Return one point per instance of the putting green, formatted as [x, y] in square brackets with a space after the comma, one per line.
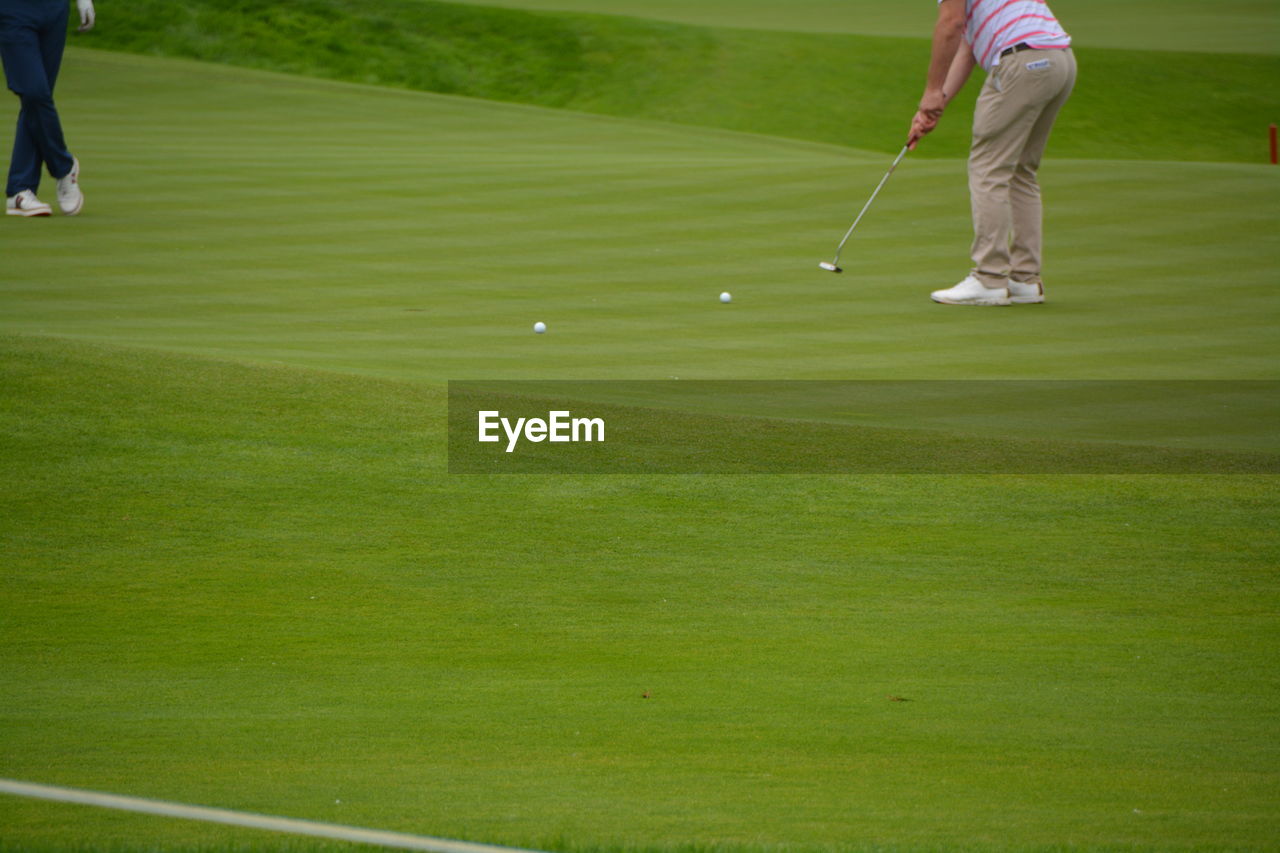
[423, 236]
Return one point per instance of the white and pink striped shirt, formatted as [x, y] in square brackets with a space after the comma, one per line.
[991, 26]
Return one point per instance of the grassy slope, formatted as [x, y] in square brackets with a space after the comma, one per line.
[843, 89]
[228, 584]
[1228, 26]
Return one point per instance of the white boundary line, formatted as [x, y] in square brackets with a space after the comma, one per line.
[251, 821]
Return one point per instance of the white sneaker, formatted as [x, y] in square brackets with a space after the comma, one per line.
[1026, 292]
[25, 203]
[70, 199]
[971, 292]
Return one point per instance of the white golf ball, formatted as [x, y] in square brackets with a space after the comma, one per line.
[539, 327]
[725, 297]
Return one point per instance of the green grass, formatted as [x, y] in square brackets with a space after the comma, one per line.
[236, 573]
[1228, 26]
[232, 586]
[842, 89]
[269, 232]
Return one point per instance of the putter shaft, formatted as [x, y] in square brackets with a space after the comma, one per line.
[835, 263]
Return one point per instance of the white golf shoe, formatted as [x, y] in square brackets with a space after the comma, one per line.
[971, 292]
[70, 199]
[1026, 292]
[25, 203]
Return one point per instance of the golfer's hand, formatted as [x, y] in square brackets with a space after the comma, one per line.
[85, 8]
[920, 125]
[927, 116]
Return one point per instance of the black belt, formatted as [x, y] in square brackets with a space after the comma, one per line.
[1020, 46]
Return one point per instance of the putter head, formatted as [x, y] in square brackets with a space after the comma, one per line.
[830, 267]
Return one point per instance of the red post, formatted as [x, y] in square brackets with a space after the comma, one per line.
[1273, 145]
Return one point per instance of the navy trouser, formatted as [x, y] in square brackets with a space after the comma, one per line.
[33, 34]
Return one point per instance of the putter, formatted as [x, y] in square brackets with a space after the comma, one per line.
[834, 266]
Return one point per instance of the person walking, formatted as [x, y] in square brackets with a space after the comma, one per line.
[1030, 74]
[33, 34]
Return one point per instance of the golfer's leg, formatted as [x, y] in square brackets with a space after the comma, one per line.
[992, 158]
[1026, 251]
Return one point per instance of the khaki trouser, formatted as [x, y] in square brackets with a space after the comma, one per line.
[1011, 125]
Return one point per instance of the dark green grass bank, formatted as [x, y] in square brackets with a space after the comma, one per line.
[253, 587]
[844, 89]
[1228, 26]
